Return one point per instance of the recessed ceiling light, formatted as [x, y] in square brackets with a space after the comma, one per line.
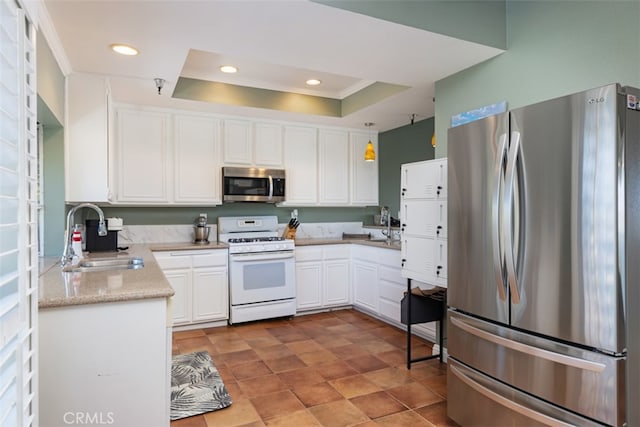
[313, 82]
[124, 49]
[228, 69]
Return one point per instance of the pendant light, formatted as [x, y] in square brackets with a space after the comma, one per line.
[369, 152]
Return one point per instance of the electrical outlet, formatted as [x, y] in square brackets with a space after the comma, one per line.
[294, 213]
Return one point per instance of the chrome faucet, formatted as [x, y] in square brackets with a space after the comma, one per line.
[67, 254]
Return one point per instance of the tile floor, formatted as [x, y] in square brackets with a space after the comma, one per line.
[335, 369]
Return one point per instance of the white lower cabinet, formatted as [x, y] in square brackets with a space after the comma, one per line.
[200, 281]
[378, 286]
[110, 361]
[322, 277]
[365, 277]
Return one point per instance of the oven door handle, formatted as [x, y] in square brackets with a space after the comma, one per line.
[261, 256]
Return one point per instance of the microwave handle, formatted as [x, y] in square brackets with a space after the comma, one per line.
[270, 187]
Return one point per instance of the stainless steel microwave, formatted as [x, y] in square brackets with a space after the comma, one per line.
[253, 185]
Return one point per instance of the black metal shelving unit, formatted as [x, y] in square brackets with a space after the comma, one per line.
[432, 309]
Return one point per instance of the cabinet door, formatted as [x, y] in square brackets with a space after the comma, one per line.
[418, 258]
[392, 287]
[424, 180]
[210, 294]
[237, 142]
[308, 285]
[424, 218]
[365, 285]
[301, 164]
[268, 145]
[333, 164]
[180, 280]
[364, 175]
[141, 154]
[336, 282]
[86, 153]
[197, 160]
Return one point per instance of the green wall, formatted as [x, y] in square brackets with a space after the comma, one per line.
[186, 215]
[51, 100]
[406, 144]
[554, 49]
[480, 21]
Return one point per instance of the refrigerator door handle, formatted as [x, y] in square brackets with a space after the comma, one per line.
[507, 403]
[498, 175]
[541, 353]
[512, 161]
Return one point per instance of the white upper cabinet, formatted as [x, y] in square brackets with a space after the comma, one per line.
[268, 145]
[142, 156]
[86, 139]
[301, 165]
[333, 167]
[364, 175]
[237, 142]
[246, 143]
[197, 168]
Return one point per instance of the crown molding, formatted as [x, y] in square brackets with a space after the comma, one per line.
[45, 25]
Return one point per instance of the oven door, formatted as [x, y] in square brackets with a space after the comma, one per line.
[260, 277]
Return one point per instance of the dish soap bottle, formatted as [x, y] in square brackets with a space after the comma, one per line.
[76, 245]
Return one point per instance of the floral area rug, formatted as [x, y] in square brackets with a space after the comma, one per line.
[196, 386]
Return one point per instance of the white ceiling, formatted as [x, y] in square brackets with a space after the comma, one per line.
[277, 44]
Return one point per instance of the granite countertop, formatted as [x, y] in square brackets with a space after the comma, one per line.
[59, 289]
[395, 244]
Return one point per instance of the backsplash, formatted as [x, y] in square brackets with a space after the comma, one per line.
[178, 233]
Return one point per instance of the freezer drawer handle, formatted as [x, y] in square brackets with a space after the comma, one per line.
[516, 407]
[530, 350]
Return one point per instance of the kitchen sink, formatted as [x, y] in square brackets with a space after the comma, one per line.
[105, 264]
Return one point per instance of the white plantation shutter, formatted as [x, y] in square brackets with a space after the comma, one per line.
[18, 217]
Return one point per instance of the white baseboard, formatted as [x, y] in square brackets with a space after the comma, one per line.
[436, 350]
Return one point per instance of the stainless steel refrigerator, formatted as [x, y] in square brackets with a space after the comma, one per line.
[544, 264]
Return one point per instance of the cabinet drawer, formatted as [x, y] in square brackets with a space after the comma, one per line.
[172, 260]
[336, 252]
[308, 254]
[392, 275]
[210, 258]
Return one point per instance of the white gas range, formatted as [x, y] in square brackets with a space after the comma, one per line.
[261, 268]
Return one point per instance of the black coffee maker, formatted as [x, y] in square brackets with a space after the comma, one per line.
[95, 243]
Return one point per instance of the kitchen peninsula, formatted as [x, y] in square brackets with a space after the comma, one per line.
[105, 344]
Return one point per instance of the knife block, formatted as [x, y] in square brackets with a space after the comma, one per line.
[289, 233]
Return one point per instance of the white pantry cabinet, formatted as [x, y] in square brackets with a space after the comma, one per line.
[142, 156]
[196, 160]
[333, 167]
[322, 276]
[364, 175]
[301, 165]
[200, 281]
[423, 212]
[86, 138]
